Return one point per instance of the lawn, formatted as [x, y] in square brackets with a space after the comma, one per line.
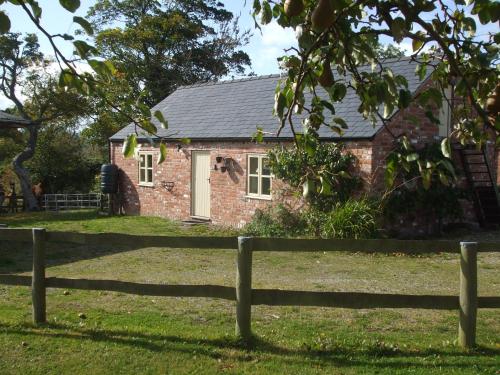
[124, 334]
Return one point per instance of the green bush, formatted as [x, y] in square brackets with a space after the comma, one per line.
[351, 219]
[278, 221]
[333, 163]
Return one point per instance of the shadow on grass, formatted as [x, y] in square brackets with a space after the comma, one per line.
[17, 257]
[368, 355]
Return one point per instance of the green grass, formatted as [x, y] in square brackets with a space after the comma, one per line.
[90, 221]
[126, 334]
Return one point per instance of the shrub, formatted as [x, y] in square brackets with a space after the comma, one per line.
[333, 164]
[351, 219]
[435, 198]
[278, 221]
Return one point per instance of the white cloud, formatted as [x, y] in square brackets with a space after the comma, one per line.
[267, 46]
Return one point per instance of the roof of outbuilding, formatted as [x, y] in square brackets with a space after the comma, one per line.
[7, 118]
[234, 109]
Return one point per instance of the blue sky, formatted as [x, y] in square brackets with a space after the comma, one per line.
[263, 48]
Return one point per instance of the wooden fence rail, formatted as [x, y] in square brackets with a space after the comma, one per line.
[467, 302]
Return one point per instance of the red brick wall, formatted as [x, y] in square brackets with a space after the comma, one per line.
[229, 202]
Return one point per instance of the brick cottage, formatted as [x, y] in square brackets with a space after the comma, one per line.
[222, 175]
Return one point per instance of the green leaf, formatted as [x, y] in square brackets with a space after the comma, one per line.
[279, 104]
[266, 14]
[4, 23]
[398, 28]
[443, 178]
[148, 126]
[326, 186]
[258, 135]
[83, 49]
[163, 153]
[84, 24]
[70, 5]
[161, 119]
[404, 98]
[129, 145]
[100, 67]
[416, 44]
[412, 157]
[426, 178]
[341, 122]
[406, 143]
[37, 11]
[337, 92]
[308, 188]
[446, 148]
[390, 172]
[66, 78]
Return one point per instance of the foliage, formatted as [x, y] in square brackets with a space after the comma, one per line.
[160, 45]
[426, 189]
[327, 171]
[63, 163]
[354, 218]
[426, 164]
[350, 219]
[276, 221]
[345, 35]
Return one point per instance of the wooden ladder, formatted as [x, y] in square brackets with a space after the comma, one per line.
[482, 185]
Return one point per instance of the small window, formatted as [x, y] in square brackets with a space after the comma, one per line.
[146, 169]
[259, 176]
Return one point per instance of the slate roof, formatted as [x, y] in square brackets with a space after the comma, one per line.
[229, 110]
[6, 118]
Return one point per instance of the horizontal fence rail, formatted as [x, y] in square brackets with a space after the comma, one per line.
[259, 244]
[467, 302]
[56, 202]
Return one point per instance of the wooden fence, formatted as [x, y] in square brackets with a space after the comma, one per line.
[467, 302]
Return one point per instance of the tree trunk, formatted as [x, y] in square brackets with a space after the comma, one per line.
[22, 173]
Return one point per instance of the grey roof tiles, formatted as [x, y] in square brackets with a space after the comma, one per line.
[234, 109]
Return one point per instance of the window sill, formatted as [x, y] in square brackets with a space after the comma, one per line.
[259, 197]
[145, 184]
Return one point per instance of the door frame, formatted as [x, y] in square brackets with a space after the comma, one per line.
[193, 189]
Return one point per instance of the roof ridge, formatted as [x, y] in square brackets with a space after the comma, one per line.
[275, 75]
[228, 81]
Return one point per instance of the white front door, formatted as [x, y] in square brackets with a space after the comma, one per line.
[200, 184]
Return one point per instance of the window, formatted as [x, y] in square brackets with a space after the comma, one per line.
[146, 169]
[259, 176]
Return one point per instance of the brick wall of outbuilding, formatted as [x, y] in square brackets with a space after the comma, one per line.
[230, 204]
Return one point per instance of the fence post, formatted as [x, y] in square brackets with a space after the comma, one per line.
[244, 288]
[38, 278]
[468, 294]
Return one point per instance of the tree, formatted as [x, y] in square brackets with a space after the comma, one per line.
[63, 161]
[345, 35]
[160, 45]
[24, 67]
[218, 35]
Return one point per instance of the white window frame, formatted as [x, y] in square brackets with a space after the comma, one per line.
[259, 176]
[145, 168]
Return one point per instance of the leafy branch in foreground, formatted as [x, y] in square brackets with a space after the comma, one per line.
[103, 72]
[338, 43]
